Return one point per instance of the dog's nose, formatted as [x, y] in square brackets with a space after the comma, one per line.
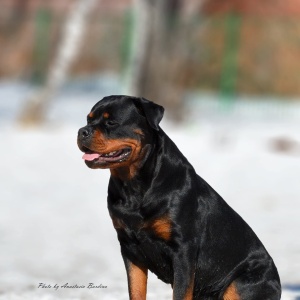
[84, 132]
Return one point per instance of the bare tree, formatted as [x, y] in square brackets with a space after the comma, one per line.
[36, 106]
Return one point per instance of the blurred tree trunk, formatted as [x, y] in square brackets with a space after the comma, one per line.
[160, 51]
[142, 39]
[35, 108]
[11, 22]
[152, 42]
[150, 73]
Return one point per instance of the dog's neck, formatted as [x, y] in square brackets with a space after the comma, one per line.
[124, 173]
[134, 170]
[143, 171]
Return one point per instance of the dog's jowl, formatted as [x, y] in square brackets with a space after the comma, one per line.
[168, 219]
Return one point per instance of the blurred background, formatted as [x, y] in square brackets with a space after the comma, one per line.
[227, 73]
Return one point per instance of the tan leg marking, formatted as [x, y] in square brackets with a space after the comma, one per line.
[137, 282]
[190, 290]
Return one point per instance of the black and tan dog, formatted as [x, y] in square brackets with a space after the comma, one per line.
[168, 219]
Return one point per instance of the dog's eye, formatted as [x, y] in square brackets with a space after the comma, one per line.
[111, 123]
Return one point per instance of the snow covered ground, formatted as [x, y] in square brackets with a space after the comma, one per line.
[54, 225]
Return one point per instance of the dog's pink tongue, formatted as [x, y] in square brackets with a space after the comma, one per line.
[90, 157]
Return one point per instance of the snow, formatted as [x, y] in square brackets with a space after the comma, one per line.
[54, 223]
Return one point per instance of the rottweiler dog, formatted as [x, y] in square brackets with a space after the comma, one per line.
[168, 219]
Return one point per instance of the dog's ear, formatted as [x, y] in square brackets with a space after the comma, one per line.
[152, 111]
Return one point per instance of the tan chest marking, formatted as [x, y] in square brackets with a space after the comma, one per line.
[231, 293]
[161, 227]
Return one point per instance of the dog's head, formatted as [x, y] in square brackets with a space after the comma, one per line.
[117, 130]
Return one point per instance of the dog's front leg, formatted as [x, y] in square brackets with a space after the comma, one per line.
[184, 275]
[137, 280]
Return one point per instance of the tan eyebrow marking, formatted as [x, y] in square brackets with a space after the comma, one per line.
[91, 115]
[138, 131]
[106, 115]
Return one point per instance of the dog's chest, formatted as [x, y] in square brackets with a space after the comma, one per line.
[148, 248]
[145, 240]
[135, 227]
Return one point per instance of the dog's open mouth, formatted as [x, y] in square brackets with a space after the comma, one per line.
[113, 156]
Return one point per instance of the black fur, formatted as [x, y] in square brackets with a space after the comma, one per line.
[209, 245]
